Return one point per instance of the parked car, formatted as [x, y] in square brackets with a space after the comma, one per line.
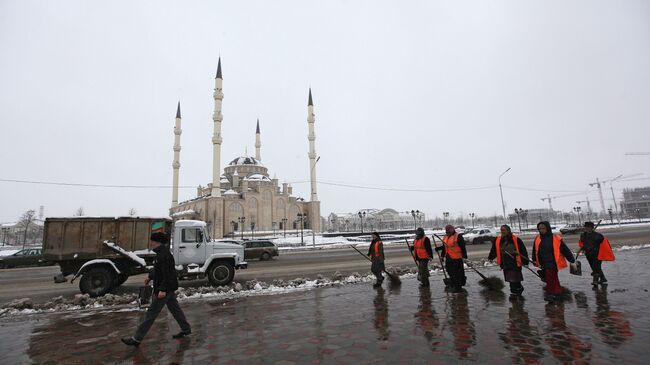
[480, 235]
[26, 257]
[263, 250]
[572, 229]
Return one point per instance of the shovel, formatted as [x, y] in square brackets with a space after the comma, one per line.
[394, 279]
[446, 280]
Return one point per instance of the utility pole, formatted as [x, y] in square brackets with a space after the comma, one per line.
[503, 204]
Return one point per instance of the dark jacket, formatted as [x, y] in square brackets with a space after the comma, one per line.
[164, 271]
[546, 253]
[461, 244]
[507, 262]
[427, 246]
[371, 250]
[591, 243]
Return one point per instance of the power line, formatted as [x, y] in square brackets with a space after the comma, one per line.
[93, 185]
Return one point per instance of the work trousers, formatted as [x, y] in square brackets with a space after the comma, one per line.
[377, 267]
[456, 272]
[423, 271]
[154, 309]
[596, 268]
[552, 282]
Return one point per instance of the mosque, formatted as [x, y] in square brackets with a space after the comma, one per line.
[244, 197]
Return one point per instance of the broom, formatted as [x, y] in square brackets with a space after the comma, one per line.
[527, 261]
[394, 279]
[446, 280]
[492, 282]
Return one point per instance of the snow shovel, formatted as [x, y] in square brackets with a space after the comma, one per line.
[446, 280]
[394, 279]
[527, 261]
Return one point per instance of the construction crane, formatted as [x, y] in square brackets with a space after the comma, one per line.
[599, 183]
[637, 154]
[588, 204]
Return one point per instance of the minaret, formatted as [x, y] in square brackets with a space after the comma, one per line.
[312, 147]
[258, 143]
[217, 117]
[177, 154]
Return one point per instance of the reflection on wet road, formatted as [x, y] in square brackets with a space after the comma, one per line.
[356, 324]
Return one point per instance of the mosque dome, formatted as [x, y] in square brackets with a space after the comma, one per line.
[245, 160]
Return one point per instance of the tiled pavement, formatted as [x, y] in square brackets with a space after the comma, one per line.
[356, 324]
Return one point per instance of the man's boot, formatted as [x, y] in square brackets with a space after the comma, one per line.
[595, 279]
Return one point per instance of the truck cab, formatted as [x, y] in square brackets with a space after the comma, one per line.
[197, 255]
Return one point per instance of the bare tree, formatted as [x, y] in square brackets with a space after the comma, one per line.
[80, 212]
[133, 212]
[26, 220]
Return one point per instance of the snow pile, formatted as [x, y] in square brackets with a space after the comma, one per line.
[59, 304]
[126, 253]
[183, 213]
[293, 242]
[635, 247]
[8, 252]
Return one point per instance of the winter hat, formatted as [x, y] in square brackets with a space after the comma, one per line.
[590, 224]
[160, 237]
[507, 227]
[419, 232]
[377, 235]
[449, 227]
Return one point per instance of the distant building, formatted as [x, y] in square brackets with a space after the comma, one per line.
[373, 219]
[637, 198]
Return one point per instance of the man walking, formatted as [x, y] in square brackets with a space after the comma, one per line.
[165, 283]
[597, 249]
[453, 250]
[422, 253]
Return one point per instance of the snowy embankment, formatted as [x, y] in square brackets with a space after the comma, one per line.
[320, 243]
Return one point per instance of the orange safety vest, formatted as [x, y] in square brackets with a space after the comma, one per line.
[560, 261]
[452, 248]
[419, 252]
[498, 249]
[605, 252]
[377, 250]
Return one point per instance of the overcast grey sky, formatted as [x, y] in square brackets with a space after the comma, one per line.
[407, 94]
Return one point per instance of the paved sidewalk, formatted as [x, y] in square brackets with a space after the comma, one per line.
[356, 324]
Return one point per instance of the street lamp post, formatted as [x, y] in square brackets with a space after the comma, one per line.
[242, 220]
[519, 212]
[446, 215]
[471, 215]
[252, 230]
[503, 204]
[578, 210]
[301, 217]
[638, 214]
[361, 215]
[284, 226]
[416, 215]
[273, 227]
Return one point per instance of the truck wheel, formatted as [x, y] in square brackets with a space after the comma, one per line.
[96, 282]
[265, 256]
[221, 273]
[120, 279]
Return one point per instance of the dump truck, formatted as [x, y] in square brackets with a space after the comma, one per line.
[105, 251]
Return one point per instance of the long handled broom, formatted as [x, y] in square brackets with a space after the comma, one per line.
[492, 282]
[527, 261]
[394, 279]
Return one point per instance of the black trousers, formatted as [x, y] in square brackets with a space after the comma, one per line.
[154, 309]
[423, 271]
[596, 268]
[377, 267]
[456, 272]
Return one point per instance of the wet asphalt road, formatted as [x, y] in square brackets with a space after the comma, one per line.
[37, 282]
[356, 324]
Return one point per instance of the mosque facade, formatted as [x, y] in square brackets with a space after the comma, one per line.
[244, 197]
